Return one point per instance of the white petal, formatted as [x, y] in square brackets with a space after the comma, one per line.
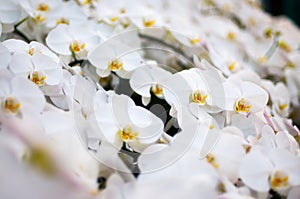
[21, 64]
[4, 56]
[15, 45]
[31, 97]
[59, 40]
[255, 170]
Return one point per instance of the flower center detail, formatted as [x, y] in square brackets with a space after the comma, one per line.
[199, 98]
[40, 18]
[127, 135]
[242, 106]
[231, 67]
[76, 47]
[279, 180]
[210, 158]
[194, 40]
[149, 22]
[31, 51]
[283, 106]
[115, 65]
[43, 7]
[62, 20]
[157, 90]
[11, 104]
[38, 78]
[231, 36]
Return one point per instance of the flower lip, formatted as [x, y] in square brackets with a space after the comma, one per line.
[242, 106]
[11, 104]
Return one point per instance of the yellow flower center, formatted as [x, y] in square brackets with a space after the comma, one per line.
[157, 90]
[242, 106]
[62, 20]
[115, 65]
[76, 47]
[11, 105]
[279, 180]
[31, 51]
[199, 98]
[231, 67]
[114, 19]
[262, 59]
[283, 106]
[122, 10]
[194, 40]
[38, 78]
[40, 18]
[231, 36]
[149, 22]
[210, 158]
[284, 46]
[127, 135]
[43, 7]
[268, 33]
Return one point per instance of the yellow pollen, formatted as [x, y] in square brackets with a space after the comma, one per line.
[283, 106]
[38, 78]
[127, 135]
[11, 104]
[122, 10]
[279, 180]
[211, 127]
[157, 90]
[76, 47]
[231, 35]
[62, 21]
[211, 160]
[114, 19]
[86, 2]
[43, 7]
[231, 67]
[94, 192]
[40, 19]
[31, 51]
[284, 46]
[198, 98]
[242, 106]
[268, 33]
[115, 65]
[262, 59]
[194, 41]
[149, 23]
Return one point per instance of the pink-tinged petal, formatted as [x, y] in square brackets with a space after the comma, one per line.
[21, 63]
[255, 170]
[31, 97]
[59, 40]
[4, 56]
[16, 45]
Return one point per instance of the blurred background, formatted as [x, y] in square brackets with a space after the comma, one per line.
[290, 8]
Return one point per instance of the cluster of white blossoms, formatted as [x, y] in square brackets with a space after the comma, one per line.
[117, 99]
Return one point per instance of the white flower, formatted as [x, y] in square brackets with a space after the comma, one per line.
[115, 54]
[20, 96]
[73, 39]
[244, 98]
[149, 77]
[121, 121]
[10, 11]
[263, 169]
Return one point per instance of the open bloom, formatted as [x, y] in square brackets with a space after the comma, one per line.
[76, 40]
[149, 78]
[245, 98]
[122, 122]
[263, 169]
[18, 96]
